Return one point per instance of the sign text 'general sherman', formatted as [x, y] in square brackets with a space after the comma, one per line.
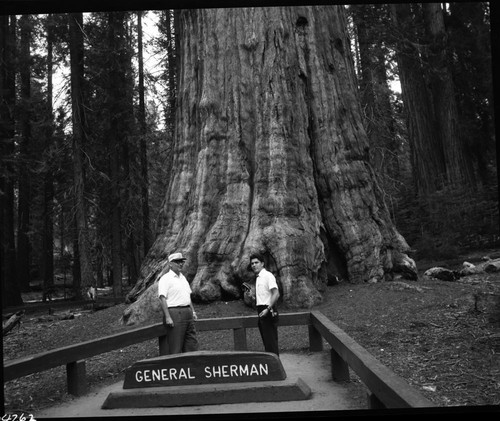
[204, 367]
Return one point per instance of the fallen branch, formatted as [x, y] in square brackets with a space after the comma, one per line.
[12, 322]
[68, 315]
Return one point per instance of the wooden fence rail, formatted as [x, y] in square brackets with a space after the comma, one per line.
[386, 388]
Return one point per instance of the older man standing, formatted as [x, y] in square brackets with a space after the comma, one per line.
[266, 294]
[174, 293]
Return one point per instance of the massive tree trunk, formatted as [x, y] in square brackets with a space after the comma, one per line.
[270, 155]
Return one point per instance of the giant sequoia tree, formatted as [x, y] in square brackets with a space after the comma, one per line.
[270, 155]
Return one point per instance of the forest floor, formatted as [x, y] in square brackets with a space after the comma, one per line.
[443, 338]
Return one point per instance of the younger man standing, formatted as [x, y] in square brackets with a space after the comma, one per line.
[267, 294]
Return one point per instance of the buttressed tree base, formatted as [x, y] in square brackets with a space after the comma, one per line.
[271, 155]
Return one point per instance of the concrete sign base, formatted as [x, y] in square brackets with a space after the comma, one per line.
[272, 391]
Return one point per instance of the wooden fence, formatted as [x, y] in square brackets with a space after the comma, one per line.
[386, 389]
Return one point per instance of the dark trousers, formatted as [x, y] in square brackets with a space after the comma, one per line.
[182, 336]
[268, 328]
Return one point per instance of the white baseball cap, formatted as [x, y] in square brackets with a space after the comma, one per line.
[176, 256]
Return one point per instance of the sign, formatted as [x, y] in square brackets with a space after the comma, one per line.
[204, 367]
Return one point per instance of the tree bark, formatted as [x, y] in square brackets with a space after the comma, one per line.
[48, 182]
[370, 22]
[427, 156]
[459, 172]
[171, 17]
[470, 37]
[270, 155]
[78, 118]
[76, 270]
[146, 220]
[11, 292]
[24, 185]
[115, 34]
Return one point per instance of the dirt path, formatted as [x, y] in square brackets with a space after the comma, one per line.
[312, 368]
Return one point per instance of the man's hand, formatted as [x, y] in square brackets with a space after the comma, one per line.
[264, 312]
[168, 321]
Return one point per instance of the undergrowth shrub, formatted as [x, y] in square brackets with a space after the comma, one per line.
[448, 222]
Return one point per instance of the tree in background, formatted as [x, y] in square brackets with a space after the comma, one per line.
[23, 260]
[143, 130]
[11, 291]
[458, 166]
[82, 243]
[469, 43]
[427, 156]
[371, 24]
[114, 137]
[447, 110]
[47, 247]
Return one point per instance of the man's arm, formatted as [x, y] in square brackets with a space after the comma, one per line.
[272, 301]
[195, 317]
[164, 307]
[275, 294]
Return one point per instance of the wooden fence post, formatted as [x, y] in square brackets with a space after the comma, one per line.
[163, 345]
[76, 378]
[340, 369]
[374, 402]
[240, 339]
[315, 339]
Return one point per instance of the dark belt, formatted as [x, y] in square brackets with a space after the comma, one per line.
[180, 307]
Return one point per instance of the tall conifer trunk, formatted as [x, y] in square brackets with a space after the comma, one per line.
[427, 156]
[48, 182]
[374, 89]
[459, 171]
[11, 291]
[115, 137]
[24, 186]
[270, 155]
[78, 114]
[146, 224]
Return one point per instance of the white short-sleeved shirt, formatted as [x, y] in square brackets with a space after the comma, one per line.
[263, 285]
[175, 288]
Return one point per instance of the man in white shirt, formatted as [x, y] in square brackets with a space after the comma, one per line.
[266, 294]
[174, 293]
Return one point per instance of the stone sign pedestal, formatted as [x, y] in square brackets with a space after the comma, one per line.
[206, 378]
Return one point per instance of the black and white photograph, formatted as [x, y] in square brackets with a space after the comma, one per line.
[269, 211]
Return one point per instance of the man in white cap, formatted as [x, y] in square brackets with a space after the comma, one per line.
[174, 293]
